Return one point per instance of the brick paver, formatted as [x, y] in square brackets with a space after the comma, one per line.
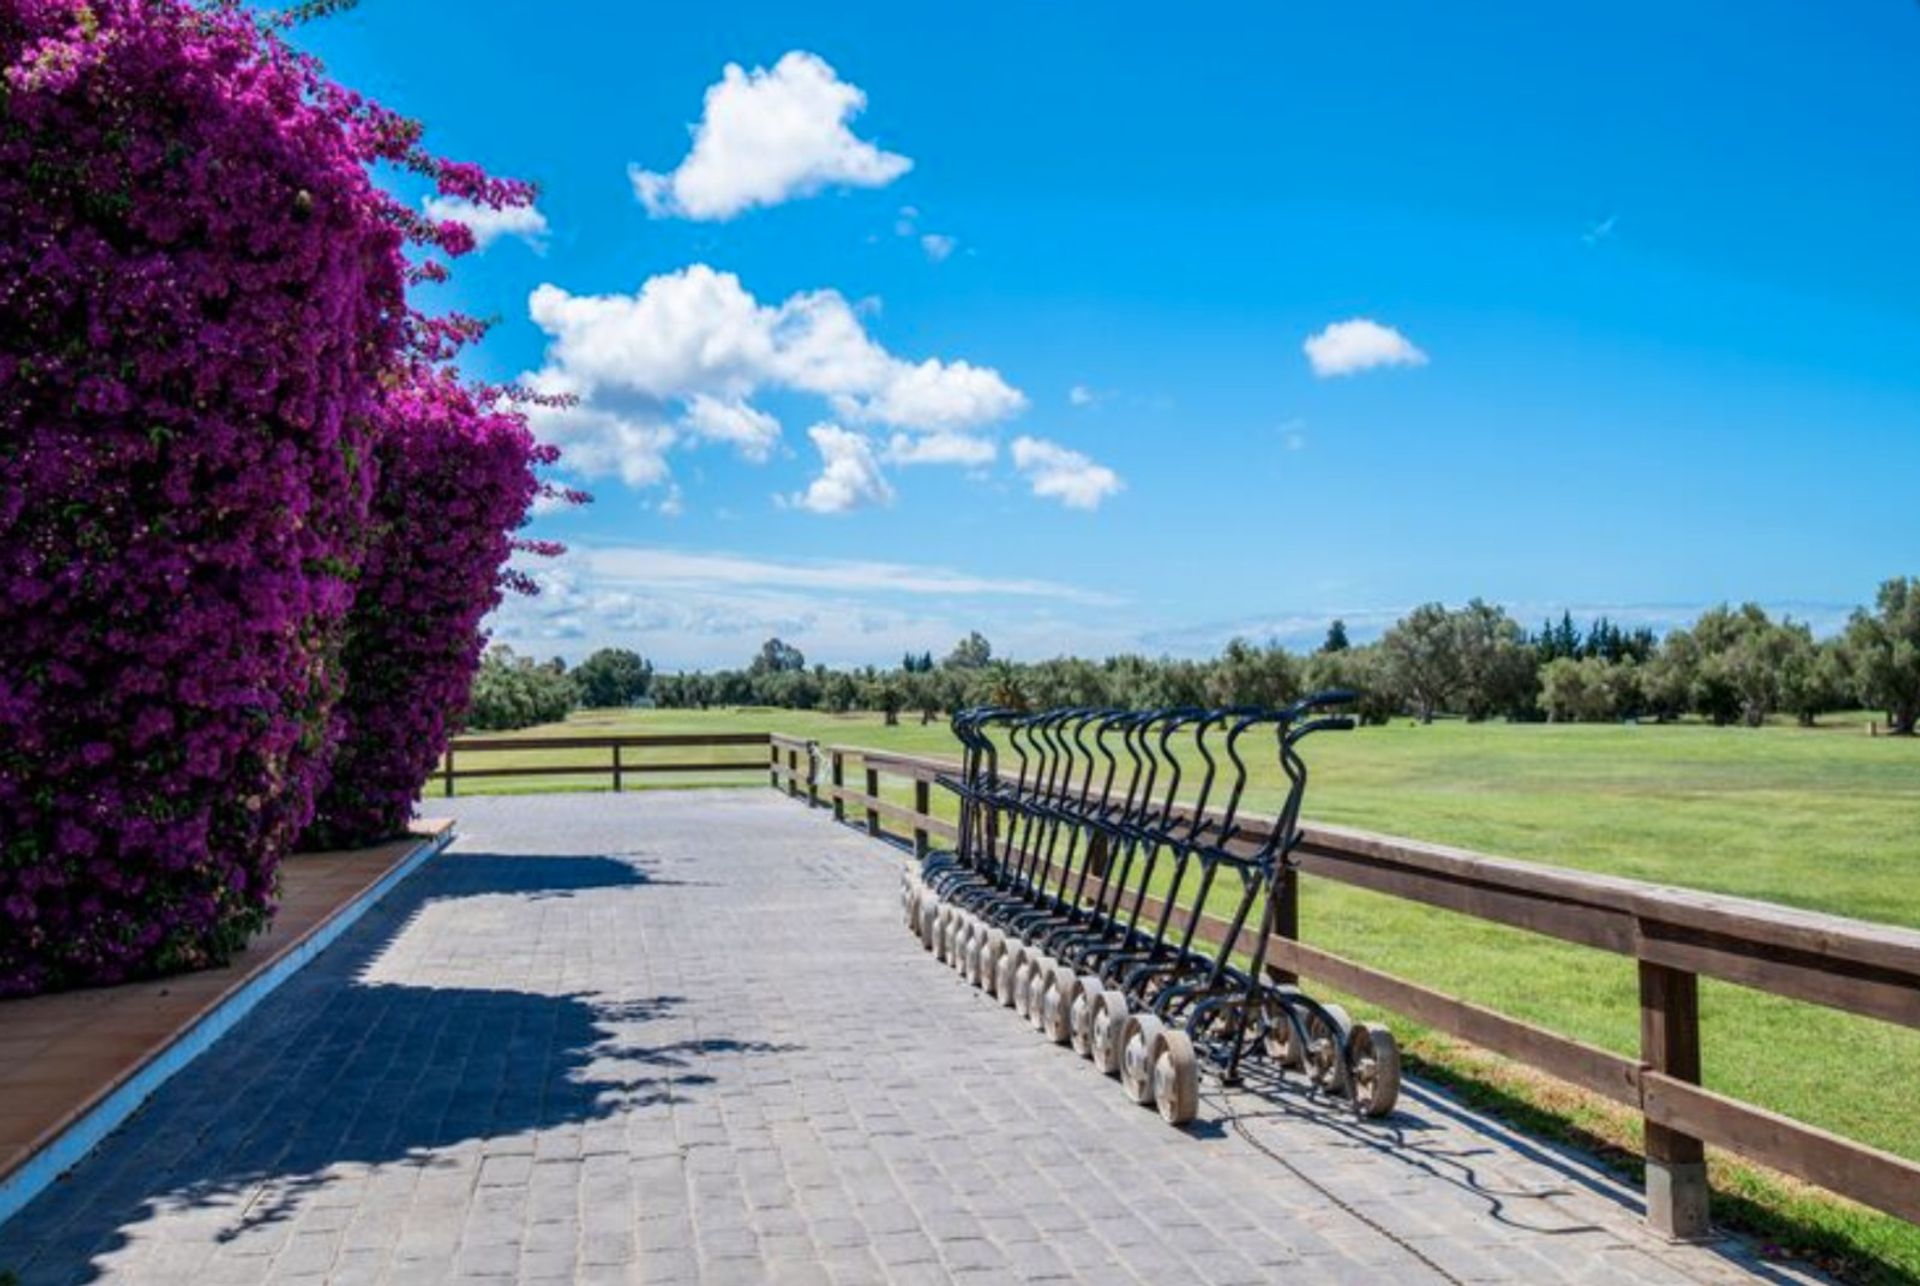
[684, 1037]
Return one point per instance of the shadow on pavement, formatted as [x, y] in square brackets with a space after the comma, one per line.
[338, 1071]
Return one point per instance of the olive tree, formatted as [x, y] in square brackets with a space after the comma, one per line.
[612, 676]
[1422, 657]
[1883, 651]
[1246, 675]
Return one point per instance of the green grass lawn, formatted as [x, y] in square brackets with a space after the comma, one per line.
[1825, 818]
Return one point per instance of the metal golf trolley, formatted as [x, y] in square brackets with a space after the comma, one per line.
[1078, 887]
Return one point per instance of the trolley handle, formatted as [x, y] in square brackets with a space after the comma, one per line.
[1331, 723]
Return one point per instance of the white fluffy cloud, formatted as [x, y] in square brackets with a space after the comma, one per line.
[1359, 344]
[1058, 473]
[766, 137]
[680, 359]
[684, 332]
[933, 396]
[600, 443]
[941, 448]
[850, 476]
[1081, 395]
[489, 225]
[752, 431]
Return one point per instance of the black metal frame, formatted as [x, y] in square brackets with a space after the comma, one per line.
[1073, 825]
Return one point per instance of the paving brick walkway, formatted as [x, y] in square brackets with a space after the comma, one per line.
[683, 1037]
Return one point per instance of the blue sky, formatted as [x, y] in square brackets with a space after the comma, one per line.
[1636, 292]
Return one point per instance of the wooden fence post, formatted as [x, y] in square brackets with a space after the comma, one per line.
[839, 777]
[1286, 920]
[873, 791]
[616, 768]
[449, 776]
[923, 808]
[813, 776]
[793, 772]
[1098, 857]
[1670, 1044]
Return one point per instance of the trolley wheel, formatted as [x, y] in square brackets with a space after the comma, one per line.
[1031, 986]
[929, 921]
[1326, 1045]
[1280, 1041]
[1109, 1020]
[1176, 1078]
[1007, 979]
[1086, 999]
[1139, 1039]
[990, 955]
[1056, 1004]
[1374, 1056]
[1023, 981]
[1040, 982]
[957, 939]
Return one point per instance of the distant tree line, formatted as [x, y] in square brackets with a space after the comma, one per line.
[1732, 665]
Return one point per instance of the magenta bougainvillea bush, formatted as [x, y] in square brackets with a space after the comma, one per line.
[203, 306]
[456, 476]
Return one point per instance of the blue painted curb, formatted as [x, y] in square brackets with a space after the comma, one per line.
[104, 1117]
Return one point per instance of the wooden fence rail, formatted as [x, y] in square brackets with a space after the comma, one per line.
[1675, 936]
[619, 766]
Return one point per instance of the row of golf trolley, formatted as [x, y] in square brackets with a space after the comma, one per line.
[1081, 878]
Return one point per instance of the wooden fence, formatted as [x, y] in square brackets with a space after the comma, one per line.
[1675, 936]
[620, 765]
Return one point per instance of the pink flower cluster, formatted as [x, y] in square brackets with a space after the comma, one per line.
[455, 478]
[207, 361]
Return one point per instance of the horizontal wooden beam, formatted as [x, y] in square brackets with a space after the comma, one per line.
[915, 767]
[1781, 969]
[1765, 930]
[462, 745]
[600, 770]
[1604, 1072]
[887, 808]
[1518, 905]
[1866, 1174]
